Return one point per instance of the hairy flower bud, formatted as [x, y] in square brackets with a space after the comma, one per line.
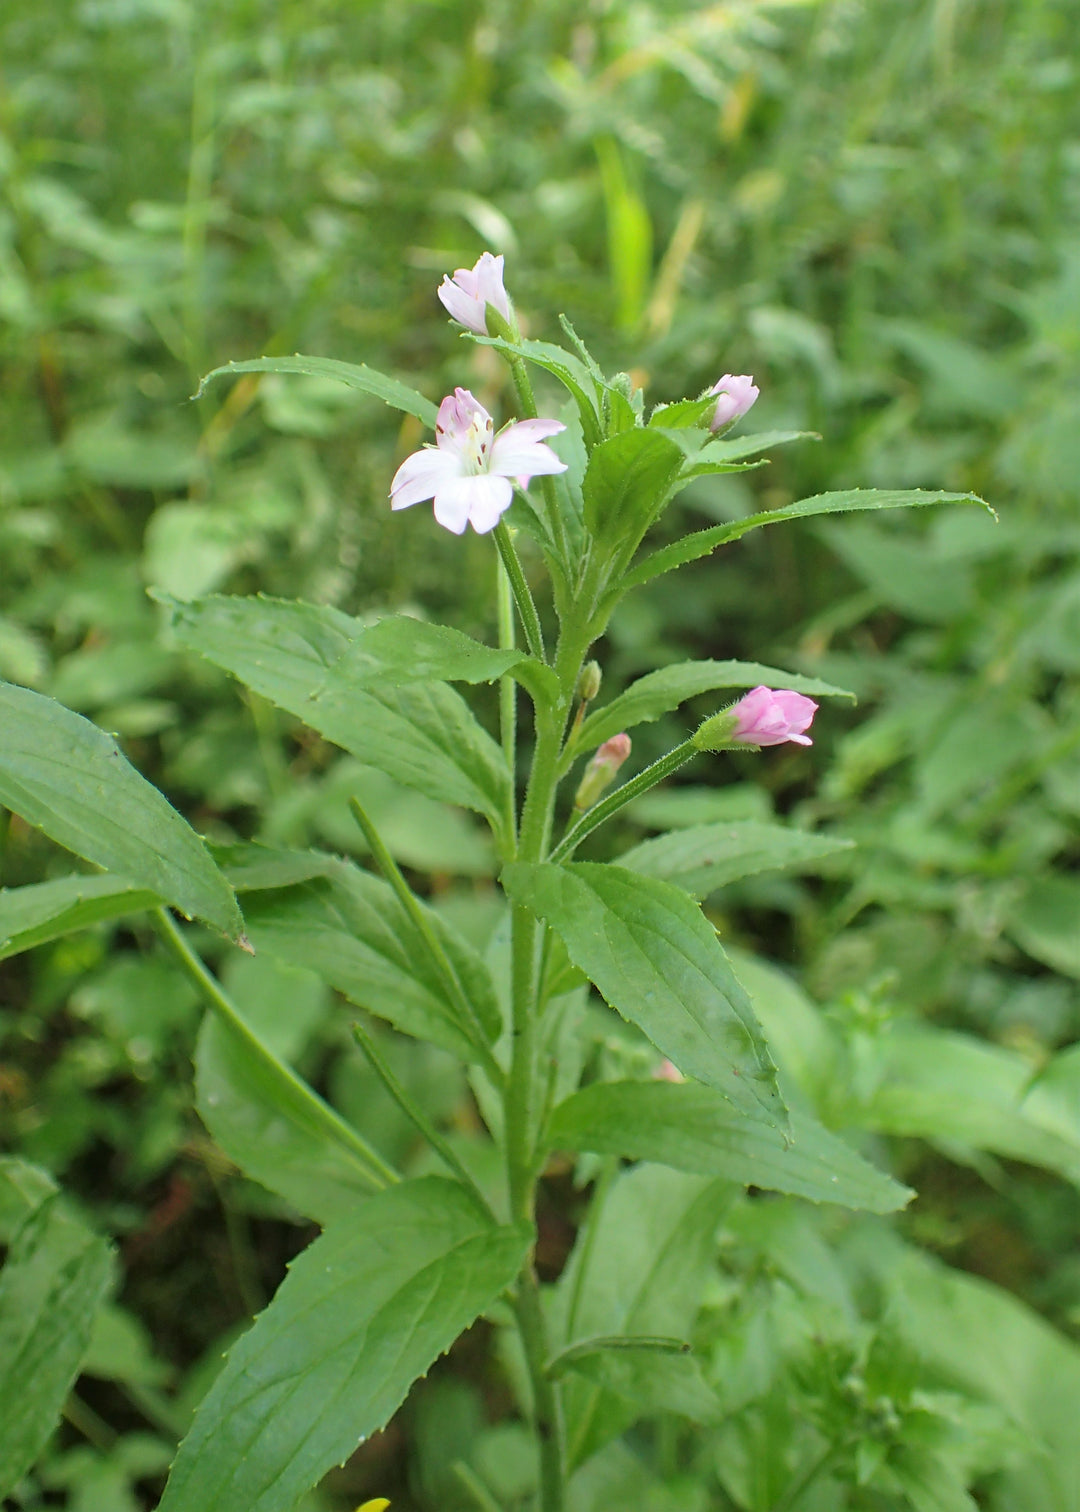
[601, 770]
[763, 717]
[589, 681]
[737, 393]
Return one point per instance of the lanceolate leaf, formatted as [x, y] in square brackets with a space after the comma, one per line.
[365, 1310]
[703, 541]
[65, 776]
[356, 375]
[708, 856]
[351, 928]
[569, 370]
[54, 1279]
[46, 910]
[656, 959]
[659, 692]
[353, 683]
[694, 1129]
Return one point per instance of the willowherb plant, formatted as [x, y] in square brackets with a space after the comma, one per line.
[403, 1266]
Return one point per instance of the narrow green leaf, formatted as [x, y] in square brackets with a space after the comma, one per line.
[708, 856]
[275, 1127]
[694, 1129]
[724, 453]
[659, 692]
[569, 370]
[44, 911]
[559, 1364]
[65, 776]
[365, 1309]
[691, 414]
[704, 541]
[54, 1279]
[303, 658]
[355, 375]
[656, 959]
[351, 929]
[23, 1188]
[650, 1382]
[626, 484]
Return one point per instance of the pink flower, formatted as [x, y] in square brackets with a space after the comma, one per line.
[737, 394]
[470, 291]
[600, 772]
[468, 470]
[768, 717]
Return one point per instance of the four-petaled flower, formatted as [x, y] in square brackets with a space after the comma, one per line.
[470, 291]
[768, 717]
[468, 471]
[737, 393]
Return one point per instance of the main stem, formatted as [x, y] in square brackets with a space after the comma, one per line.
[523, 1092]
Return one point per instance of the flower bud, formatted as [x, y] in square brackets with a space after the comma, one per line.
[737, 393]
[467, 295]
[589, 682]
[601, 770]
[763, 717]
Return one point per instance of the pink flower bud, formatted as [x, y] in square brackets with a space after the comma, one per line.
[601, 770]
[768, 717]
[737, 394]
[467, 295]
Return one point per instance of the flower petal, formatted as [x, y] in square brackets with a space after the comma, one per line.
[517, 455]
[421, 475]
[490, 496]
[465, 308]
[452, 504]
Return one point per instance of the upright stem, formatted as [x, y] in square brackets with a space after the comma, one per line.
[530, 620]
[507, 700]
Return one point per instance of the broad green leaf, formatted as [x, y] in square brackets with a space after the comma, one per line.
[356, 375]
[701, 542]
[300, 657]
[694, 1129]
[568, 369]
[659, 692]
[639, 1266]
[708, 856]
[276, 1128]
[626, 484]
[1046, 922]
[55, 1277]
[65, 776]
[251, 867]
[44, 911]
[351, 929]
[364, 1310]
[656, 959]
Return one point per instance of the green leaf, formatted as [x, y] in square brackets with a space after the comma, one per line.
[728, 456]
[23, 1188]
[708, 856]
[626, 485]
[659, 692]
[569, 370]
[275, 1127]
[44, 911]
[312, 661]
[639, 1266]
[65, 776]
[365, 1309]
[1046, 922]
[54, 1279]
[351, 929]
[656, 959]
[691, 414]
[701, 542]
[694, 1129]
[651, 1382]
[356, 375]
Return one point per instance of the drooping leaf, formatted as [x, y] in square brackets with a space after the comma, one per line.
[276, 1128]
[364, 1310]
[701, 542]
[626, 484]
[659, 692]
[656, 959]
[43, 911]
[568, 369]
[65, 776]
[351, 929]
[694, 1129]
[310, 660]
[55, 1277]
[356, 375]
[708, 856]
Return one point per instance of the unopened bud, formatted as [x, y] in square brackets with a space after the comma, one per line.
[589, 681]
[763, 717]
[601, 770]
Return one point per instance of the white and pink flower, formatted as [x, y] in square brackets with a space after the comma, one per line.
[771, 716]
[467, 295]
[468, 471]
[737, 393]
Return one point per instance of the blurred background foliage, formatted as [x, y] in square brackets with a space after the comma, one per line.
[871, 205]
